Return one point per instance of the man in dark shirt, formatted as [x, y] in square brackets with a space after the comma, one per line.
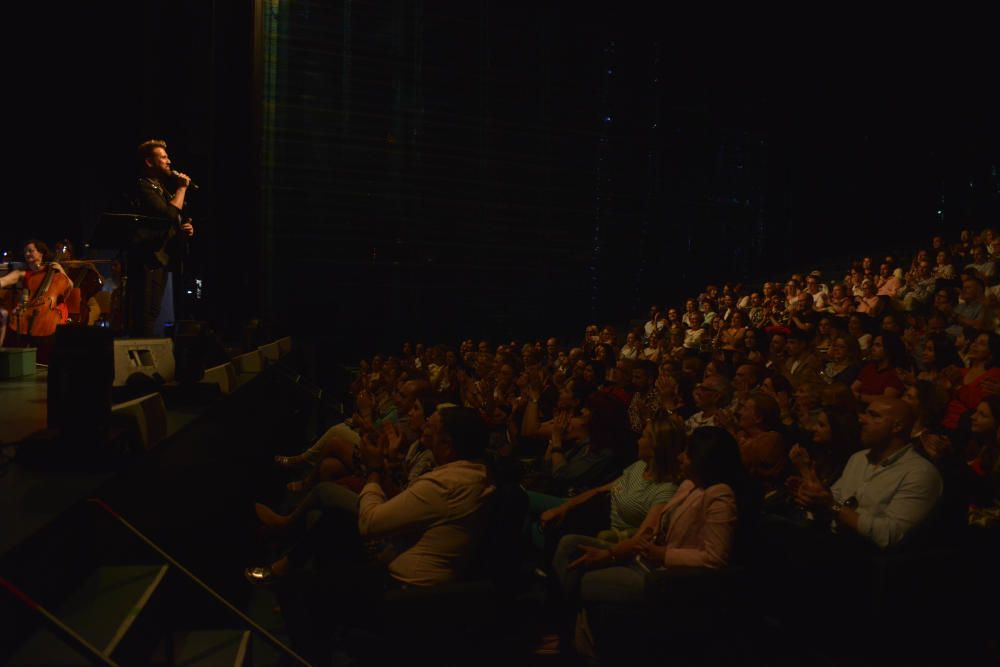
[147, 270]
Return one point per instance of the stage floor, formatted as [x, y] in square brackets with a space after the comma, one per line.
[23, 410]
[31, 495]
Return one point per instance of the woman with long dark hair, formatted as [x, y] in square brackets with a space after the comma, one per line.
[835, 435]
[974, 383]
[982, 455]
[937, 354]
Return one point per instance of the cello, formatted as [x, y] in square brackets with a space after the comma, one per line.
[42, 306]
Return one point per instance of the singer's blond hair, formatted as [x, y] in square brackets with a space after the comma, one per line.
[145, 151]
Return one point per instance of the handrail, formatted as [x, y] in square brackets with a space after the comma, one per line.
[65, 632]
[271, 639]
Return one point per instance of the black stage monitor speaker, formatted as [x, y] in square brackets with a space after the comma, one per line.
[80, 374]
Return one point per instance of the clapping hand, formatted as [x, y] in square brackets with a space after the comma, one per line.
[936, 446]
[991, 387]
[393, 438]
[372, 453]
[800, 457]
[651, 552]
[813, 496]
[361, 422]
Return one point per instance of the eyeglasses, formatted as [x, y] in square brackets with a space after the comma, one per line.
[704, 387]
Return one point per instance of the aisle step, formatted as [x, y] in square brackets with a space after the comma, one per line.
[101, 611]
[207, 648]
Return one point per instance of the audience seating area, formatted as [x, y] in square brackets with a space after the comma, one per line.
[861, 525]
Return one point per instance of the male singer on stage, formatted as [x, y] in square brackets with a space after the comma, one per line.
[160, 194]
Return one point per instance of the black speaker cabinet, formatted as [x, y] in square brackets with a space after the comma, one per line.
[81, 370]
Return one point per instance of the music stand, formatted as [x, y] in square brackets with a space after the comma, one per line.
[125, 231]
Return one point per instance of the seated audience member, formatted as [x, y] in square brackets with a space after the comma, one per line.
[824, 336]
[745, 380]
[834, 438]
[618, 384]
[892, 284]
[802, 317]
[844, 363]
[690, 307]
[937, 354]
[711, 395]
[973, 384]
[609, 336]
[727, 307]
[886, 489]
[869, 303]
[586, 447]
[982, 455]
[645, 399]
[943, 267]
[336, 453]
[780, 389]
[919, 287]
[695, 334]
[971, 311]
[776, 352]
[731, 336]
[697, 528]
[403, 465]
[841, 303]
[982, 265]
[818, 292]
[792, 294]
[801, 365]
[632, 347]
[757, 312]
[708, 314]
[879, 377]
[718, 366]
[777, 316]
[673, 318]
[434, 523]
[654, 324]
[649, 481]
[893, 324]
[672, 397]
[762, 447]
[652, 349]
[752, 347]
[929, 402]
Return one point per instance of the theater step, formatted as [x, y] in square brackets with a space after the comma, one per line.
[205, 648]
[101, 611]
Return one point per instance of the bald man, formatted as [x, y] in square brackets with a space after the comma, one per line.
[885, 490]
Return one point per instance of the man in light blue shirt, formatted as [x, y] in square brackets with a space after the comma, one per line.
[885, 490]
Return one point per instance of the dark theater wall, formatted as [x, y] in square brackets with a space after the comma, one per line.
[446, 169]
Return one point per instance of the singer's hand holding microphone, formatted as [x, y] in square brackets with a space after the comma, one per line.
[184, 180]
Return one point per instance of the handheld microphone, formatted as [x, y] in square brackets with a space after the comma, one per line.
[191, 184]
